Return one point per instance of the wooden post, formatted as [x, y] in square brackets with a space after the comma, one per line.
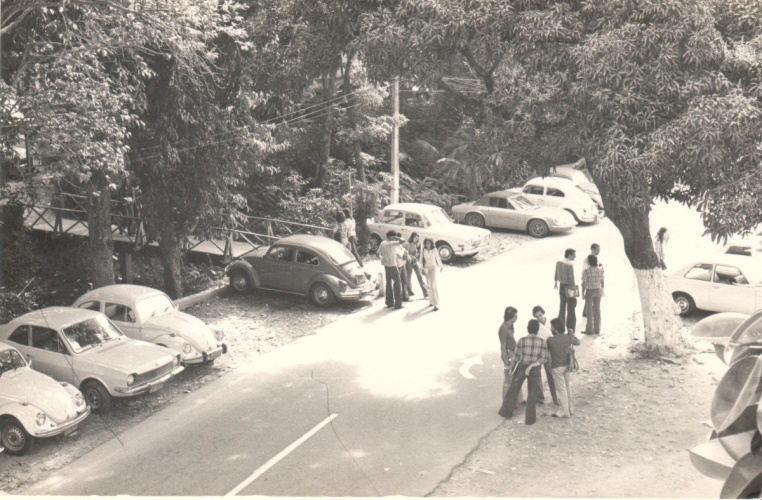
[395, 195]
[125, 265]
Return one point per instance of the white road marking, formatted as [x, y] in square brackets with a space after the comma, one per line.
[277, 458]
[465, 368]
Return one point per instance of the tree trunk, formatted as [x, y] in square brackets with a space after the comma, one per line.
[327, 136]
[661, 327]
[352, 114]
[99, 227]
[170, 245]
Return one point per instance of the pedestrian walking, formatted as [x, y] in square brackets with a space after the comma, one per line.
[413, 265]
[507, 346]
[544, 333]
[352, 235]
[431, 264]
[567, 289]
[592, 289]
[559, 347]
[661, 239]
[389, 251]
[402, 265]
[595, 249]
[532, 353]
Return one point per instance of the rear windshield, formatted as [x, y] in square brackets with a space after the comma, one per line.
[340, 255]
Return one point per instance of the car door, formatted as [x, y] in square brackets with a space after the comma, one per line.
[413, 224]
[390, 220]
[697, 282]
[730, 291]
[306, 266]
[124, 318]
[505, 213]
[277, 265]
[50, 355]
[554, 197]
[535, 193]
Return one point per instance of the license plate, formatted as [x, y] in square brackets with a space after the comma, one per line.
[155, 388]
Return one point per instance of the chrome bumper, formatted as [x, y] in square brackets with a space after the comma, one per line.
[153, 385]
[204, 357]
[62, 429]
[359, 293]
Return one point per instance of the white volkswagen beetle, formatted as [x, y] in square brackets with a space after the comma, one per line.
[147, 314]
[33, 405]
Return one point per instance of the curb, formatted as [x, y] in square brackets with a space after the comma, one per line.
[197, 298]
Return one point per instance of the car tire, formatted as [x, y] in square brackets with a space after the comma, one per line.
[14, 438]
[537, 228]
[375, 242]
[240, 281]
[685, 303]
[476, 220]
[322, 295]
[446, 252]
[576, 219]
[96, 396]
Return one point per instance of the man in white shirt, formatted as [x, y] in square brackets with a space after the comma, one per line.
[545, 333]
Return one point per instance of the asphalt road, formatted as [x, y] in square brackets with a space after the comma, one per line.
[383, 402]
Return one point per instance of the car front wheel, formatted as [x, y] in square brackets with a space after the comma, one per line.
[685, 303]
[14, 437]
[475, 220]
[537, 228]
[96, 396]
[239, 281]
[445, 252]
[322, 295]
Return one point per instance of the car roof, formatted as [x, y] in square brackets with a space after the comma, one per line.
[552, 181]
[412, 207]
[55, 317]
[734, 260]
[122, 291]
[505, 192]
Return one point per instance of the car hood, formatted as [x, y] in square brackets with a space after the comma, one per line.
[26, 386]
[128, 356]
[186, 326]
[459, 230]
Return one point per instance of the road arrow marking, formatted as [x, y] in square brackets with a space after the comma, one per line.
[465, 368]
[280, 456]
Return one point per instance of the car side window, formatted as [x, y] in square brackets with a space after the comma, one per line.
[729, 276]
[119, 312]
[20, 335]
[393, 217]
[537, 190]
[92, 305]
[281, 253]
[413, 220]
[308, 258]
[700, 272]
[47, 339]
[555, 192]
[497, 202]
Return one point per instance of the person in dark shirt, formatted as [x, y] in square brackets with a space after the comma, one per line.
[559, 346]
[507, 345]
[532, 353]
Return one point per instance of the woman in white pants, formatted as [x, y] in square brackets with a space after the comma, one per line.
[432, 266]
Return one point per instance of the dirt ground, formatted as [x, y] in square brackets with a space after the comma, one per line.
[633, 422]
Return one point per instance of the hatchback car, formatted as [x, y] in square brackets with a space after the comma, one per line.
[315, 266]
[718, 283]
[147, 314]
[563, 194]
[508, 210]
[429, 221]
[579, 178]
[85, 349]
[33, 405]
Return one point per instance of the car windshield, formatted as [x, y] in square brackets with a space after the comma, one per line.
[91, 333]
[522, 203]
[340, 255]
[10, 359]
[153, 305]
[437, 216]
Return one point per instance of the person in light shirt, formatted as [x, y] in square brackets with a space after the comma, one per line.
[389, 251]
[544, 333]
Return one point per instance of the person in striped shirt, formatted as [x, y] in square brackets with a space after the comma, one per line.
[389, 252]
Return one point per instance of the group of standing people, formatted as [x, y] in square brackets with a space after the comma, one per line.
[401, 259]
[592, 290]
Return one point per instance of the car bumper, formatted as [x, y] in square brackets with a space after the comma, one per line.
[204, 357]
[66, 428]
[561, 227]
[466, 253]
[588, 217]
[359, 293]
[152, 386]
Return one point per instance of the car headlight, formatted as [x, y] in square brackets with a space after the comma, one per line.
[186, 348]
[41, 418]
[219, 335]
[79, 400]
[130, 380]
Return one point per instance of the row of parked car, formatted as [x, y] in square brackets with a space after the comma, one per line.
[58, 364]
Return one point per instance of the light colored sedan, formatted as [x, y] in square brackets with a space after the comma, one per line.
[561, 193]
[33, 405]
[720, 283]
[429, 221]
[509, 210]
[85, 349]
[147, 314]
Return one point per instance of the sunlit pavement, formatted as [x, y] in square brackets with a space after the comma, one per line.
[383, 402]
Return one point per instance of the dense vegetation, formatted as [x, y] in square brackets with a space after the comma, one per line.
[218, 109]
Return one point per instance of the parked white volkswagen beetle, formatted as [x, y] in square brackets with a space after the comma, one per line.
[147, 314]
[33, 405]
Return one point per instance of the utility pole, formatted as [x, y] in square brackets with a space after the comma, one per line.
[395, 195]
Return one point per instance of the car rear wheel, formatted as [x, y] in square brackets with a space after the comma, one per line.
[14, 437]
[537, 228]
[239, 281]
[375, 242]
[322, 295]
[475, 220]
[445, 252]
[685, 303]
[96, 396]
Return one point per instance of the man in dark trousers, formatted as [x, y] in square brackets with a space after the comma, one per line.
[565, 284]
[532, 353]
[389, 252]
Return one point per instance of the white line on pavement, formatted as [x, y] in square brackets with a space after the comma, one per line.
[277, 458]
